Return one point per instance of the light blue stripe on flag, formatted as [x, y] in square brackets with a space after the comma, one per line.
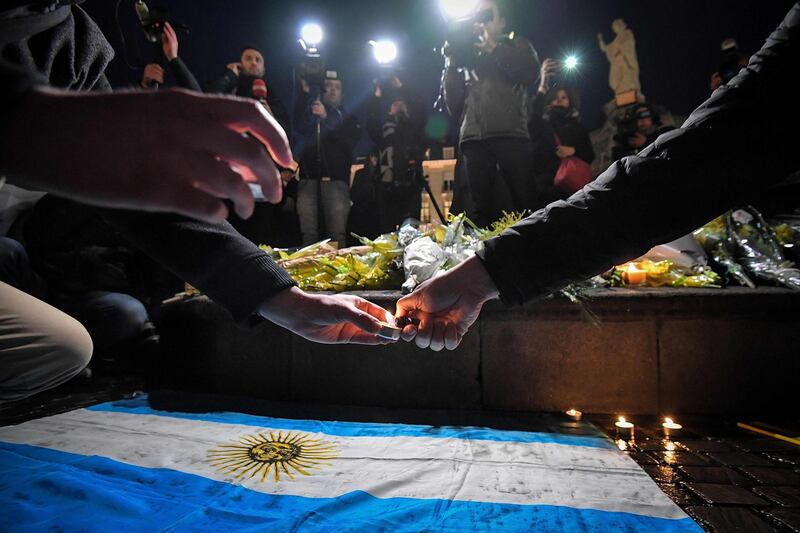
[43, 489]
[141, 405]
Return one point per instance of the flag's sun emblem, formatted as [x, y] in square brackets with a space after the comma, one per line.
[260, 455]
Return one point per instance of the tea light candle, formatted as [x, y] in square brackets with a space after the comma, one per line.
[574, 415]
[670, 428]
[635, 275]
[624, 429]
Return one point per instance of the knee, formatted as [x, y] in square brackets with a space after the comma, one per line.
[73, 345]
[11, 252]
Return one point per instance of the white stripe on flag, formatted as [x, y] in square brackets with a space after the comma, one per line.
[385, 467]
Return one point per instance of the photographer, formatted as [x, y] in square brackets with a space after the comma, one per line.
[327, 136]
[491, 100]
[400, 138]
[153, 76]
[558, 137]
[246, 78]
[639, 131]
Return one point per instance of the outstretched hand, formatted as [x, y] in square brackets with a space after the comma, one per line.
[327, 319]
[443, 308]
[173, 150]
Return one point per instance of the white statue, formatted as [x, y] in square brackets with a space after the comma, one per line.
[621, 53]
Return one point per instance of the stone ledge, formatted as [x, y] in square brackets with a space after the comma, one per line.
[682, 350]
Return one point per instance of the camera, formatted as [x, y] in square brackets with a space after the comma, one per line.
[152, 21]
[628, 122]
[461, 39]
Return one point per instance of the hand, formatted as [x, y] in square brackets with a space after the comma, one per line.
[304, 86]
[169, 42]
[446, 306]
[396, 82]
[637, 140]
[327, 319]
[318, 110]
[377, 92]
[152, 74]
[565, 151]
[236, 68]
[547, 73]
[716, 82]
[172, 150]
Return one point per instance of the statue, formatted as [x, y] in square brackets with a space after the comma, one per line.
[621, 53]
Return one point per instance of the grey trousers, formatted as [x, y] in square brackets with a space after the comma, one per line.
[40, 346]
[335, 209]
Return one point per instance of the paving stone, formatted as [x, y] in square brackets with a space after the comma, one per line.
[739, 459]
[783, 496]
[755, 444]
[661, 474]
[714, 474]
[717, 494]
[766, 475]
[680, 458]
[705, 445]
[641, 458]
[656, 445]
[678, 494]
[790, 518]
[729, 520]
[787, 459]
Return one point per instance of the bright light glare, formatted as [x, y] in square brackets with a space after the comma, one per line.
[458, 9]
[385, 51]
[570, 62]
[311, 34]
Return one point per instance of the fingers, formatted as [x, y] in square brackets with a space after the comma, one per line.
[222, 181]
[246, 156]
[198, 204]
[437, 336]
[451, 336]
[375, 310]
[424, 332]
[249, 117]
[360, 318]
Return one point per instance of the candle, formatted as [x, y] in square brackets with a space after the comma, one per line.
[670, 428]
[574, 415]
[635, 275]
[624, 429]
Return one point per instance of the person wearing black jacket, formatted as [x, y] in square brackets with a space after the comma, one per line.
[95, 141]
[400, 138]
[728, 152]
[153, 75]
[556, 133]
[327, 135]
[241, 78]
[491, 101]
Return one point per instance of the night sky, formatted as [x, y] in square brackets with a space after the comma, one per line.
[677, 41]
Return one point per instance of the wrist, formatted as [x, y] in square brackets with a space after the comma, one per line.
[480, 285]
[275, 307]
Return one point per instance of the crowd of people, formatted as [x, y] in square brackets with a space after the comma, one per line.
[298, 158]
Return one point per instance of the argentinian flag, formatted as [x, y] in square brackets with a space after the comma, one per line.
[127, 467]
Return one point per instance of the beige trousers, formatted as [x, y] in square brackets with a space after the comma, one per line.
[40, 347]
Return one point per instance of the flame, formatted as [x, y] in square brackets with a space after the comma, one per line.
[668, 421]
[621, 420]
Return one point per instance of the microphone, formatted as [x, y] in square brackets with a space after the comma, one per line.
[259, 90]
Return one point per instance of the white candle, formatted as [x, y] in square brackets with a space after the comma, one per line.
[574, 415]
[670, 428]
[624, 428]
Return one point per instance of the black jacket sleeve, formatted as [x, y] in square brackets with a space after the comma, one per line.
[455, 91]
[583, 146]
[375, 116]
[224, 84]
[183, 76]
[212, 257]
[727, 152]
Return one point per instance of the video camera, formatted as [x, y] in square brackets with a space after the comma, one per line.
[153, 21]
[461, 39]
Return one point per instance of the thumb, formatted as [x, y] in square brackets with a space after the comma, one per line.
[361, 319]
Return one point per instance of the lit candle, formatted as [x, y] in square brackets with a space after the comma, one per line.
[624, 429]
[671, 429]
[635, 275]
[574, 415]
